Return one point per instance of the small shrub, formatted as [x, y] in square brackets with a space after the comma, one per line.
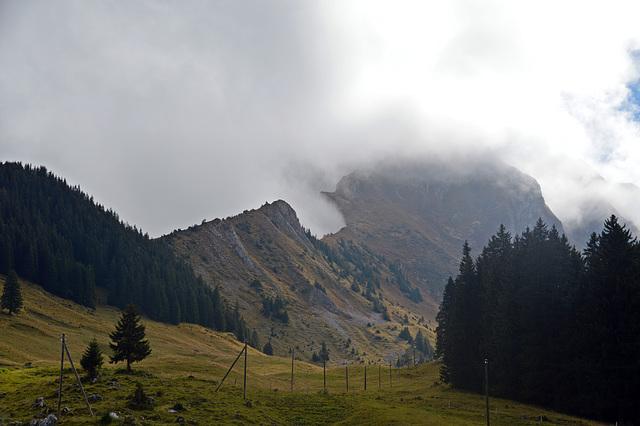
[139, 400]
[106, 419]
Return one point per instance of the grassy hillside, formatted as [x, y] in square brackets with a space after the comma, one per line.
[186, 365]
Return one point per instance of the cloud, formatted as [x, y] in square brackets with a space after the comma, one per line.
[175, 111]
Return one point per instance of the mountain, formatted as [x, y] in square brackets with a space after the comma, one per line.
[260, 268]
[354, 291]
[299, 292]
[419, 214]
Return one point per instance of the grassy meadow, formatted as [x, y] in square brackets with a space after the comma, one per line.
[186, 366]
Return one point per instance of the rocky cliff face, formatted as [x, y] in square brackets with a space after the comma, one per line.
[419, 214]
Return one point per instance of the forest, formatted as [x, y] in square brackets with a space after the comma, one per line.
[558, 327]
[58, 237]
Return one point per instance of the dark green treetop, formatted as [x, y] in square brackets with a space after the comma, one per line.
[92, 359]
[268, 349]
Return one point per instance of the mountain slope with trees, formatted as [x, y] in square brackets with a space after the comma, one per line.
[299, 291]
[559, 328]
[57, 236]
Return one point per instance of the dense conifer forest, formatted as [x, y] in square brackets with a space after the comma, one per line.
[57, 236]
[558, 327]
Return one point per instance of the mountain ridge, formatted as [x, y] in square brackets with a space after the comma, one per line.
[266, 254]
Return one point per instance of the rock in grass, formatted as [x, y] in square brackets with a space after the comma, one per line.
[95, 397]
[50, 420]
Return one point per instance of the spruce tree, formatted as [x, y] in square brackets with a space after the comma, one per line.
[11, 294]
[444, 330]
[128, 344]
[610, 323]
[464, 358]
[92, 360]
[268, 349]
[325, 352]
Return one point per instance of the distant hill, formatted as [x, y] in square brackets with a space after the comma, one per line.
[420, 213]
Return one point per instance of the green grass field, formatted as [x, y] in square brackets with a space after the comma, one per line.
[187, 365]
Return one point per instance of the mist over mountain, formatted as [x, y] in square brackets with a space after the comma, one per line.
[600, 199]
[420, 213]
[354, 290]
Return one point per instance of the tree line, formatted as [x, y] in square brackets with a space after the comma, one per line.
[56, 236]
[559, 327]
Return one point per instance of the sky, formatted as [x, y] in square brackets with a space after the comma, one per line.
[173, 112]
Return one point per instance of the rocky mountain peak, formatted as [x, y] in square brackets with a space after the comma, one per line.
[420, 213]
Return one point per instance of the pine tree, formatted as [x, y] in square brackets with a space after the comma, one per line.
[128, 344]
[325, 352]
[463, 359]
[11, 294]
[610, 323]
[92, 360]
[443, 318]
[254, 340]
[268, 349]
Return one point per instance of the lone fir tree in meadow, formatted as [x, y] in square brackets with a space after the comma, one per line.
[11, 294]
[128, 344]
[92, 360]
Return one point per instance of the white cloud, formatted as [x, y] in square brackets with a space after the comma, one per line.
[171, 112]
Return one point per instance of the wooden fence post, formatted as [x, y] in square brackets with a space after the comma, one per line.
[346, 373]
[244, 393]
[365, 378]
[61, 368]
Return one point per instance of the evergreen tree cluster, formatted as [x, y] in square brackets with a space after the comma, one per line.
[275, 308]
[359, 264]
[423, 350]
[412, 293]
[558, 327]
[56, 236]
